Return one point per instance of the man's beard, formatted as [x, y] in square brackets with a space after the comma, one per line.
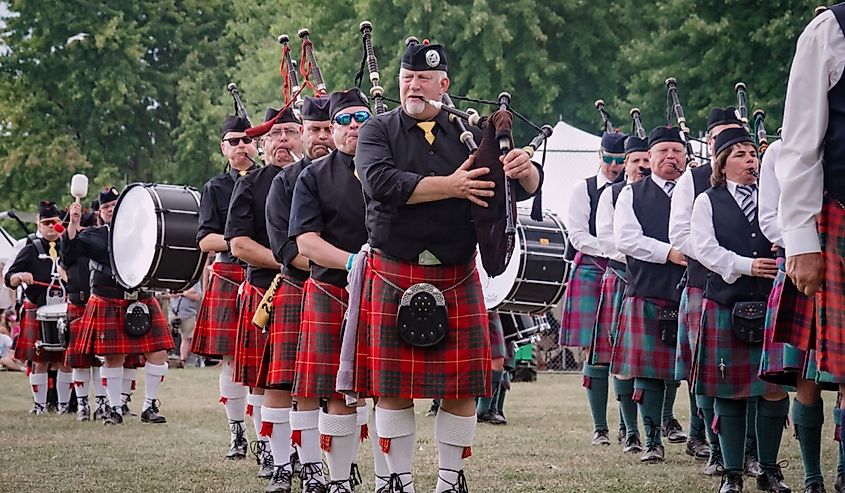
[414, 106]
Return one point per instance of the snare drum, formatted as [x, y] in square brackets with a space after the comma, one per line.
[53, 327]
[153, 237]
[520, 329]
[535, 277]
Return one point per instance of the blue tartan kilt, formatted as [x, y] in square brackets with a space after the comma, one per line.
[824, 379]
[581, 301]
[638, 350]
[689, 323]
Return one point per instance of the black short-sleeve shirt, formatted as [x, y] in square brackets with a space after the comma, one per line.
[214, 207]
[27, 261]
[277, 210]
[93, 243]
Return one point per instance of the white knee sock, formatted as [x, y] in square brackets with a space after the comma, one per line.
[276, 422]
[81, 376]
[381, 469]
[254, 403]
[97, 382]
[113, 378]
[232, 394]
[337, 439]
[64, 385]
[153, 376]
[38, 383]
[362, 431]
[398, 438]
[128, 384]
[454, 435]
[305, 435]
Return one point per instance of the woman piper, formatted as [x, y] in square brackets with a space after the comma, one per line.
[728, 241]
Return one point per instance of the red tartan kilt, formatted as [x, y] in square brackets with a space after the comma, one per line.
[216, 330]
[830, 334]
[73, 358]
[277, 365]
[249, 348]
[25, 349]
[601, 348]
[638, 350]
[457, 368]
[134, 361]
[103, 328]
[794, 322]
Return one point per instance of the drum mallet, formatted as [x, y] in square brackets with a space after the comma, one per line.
[79, 187]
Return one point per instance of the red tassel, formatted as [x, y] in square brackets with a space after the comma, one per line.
[223, 400]
[715, 424]
[77, 383]
[51, 383]
[587, 382]
[132, 387]
[71, 386]
[296, 437]
[249, 409]
[105, 382]
[28, 370]
[326, 442]
[637, 396]
[467, 453]
[35, 388]
[133, 382]
[837, 433]
[365, 432]
[384, 443]
[266, 429]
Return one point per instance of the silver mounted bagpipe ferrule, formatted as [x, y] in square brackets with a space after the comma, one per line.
[470, 116]
[240, 109]
[742, 103]
[605, 117]
[376, 91]
[295, 88]
[466, 136]
[537, 141]
[311, 61]
[637, 122]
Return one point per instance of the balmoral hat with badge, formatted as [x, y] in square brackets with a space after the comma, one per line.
[423, 57]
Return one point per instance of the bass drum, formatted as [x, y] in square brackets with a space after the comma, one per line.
[535, 277]
[521, 329]
[153, 237]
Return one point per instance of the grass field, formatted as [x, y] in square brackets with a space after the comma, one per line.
[545, 447]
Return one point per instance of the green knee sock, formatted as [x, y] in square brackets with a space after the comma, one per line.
[808, 421]
[839, 419]
[484, 403]
[732, 417]
[652, 392]
[595, 382]
[751, 432]
[621, 420]
[696, 424]
[669, 400]
[705, 406]
[499, 402]
[771, 417]
[627, 407]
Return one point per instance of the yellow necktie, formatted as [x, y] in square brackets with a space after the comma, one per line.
[241, 173]
[427, 127]
[52, 251]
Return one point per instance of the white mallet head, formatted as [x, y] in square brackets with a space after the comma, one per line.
[79, 186]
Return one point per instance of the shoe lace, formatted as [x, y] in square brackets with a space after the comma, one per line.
[395, 484]
[460, 484]
[355, 478]
[39, 408]
[236, 428]
[340, 486]
[153, 405]
[281, 474]
[673, 424]
[310, 475]
[267, 461]
[258, 448]
[656, 429]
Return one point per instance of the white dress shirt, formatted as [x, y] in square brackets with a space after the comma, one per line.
[578, 218]
[604, 227]
[628, 232]
[769, 195]
[817, 67]
[715, 257]
[681, 214]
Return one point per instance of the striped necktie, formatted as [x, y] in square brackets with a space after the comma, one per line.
[668, 187]
[427, 128]
[747, 202]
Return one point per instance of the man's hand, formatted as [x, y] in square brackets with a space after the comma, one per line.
[764, 267]
[463, 183]
[517, 164]
[676, 257]
[806, 271]
[75, 211]
[22, 278]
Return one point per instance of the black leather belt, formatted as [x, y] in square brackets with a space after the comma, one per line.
[78, 298]
[781, 252]
[119, 294]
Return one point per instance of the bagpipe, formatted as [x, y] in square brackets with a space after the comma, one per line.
[757, 126]
[674, 109]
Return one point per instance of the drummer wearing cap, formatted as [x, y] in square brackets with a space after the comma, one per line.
[246, 233]
[581, 299]
[216, 329]
[277, 365]
[33, 271]
[104, 324]
[613, 284]
[418, 188]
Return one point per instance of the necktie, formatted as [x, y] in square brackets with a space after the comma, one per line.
[669, 187]
[427, 127]
[52, 250]
[747, 203]
[241, 172]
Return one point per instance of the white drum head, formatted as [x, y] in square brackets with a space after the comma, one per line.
[496, 289]
[134, 235]
[51, 312]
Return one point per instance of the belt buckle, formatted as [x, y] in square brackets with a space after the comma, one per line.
[428, 258]
[130, 295]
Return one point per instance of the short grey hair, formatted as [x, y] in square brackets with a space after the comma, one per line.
[441, 74]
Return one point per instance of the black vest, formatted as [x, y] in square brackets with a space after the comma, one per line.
[595, 194]
[697, 273]
[834, 139]
[615, 190]
[646, 279]
[735, 233]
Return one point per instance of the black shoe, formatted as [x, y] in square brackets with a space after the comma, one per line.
[673, 431]
[459, 486]
[623, 434]
[83, 411]
[151, 414]
[342, 486]
[731, 483]
[490, 417]
[355, 479]
[102, 409]
[114, 417]
[600, 438]
[311, 476]
[281, 480]
[771, 480]
[653, 454]
[124, 409]
[63, 408]
[264, 459]
[633, 445]
[715, 464]
[38, 409]
[815, 488]
[839, 485]
[698, 448]
[752, 466]
[238, 443]
[385, 488]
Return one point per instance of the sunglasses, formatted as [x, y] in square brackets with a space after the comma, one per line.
[49, 222]
[237, 140]
[346, 118]
[612, 159]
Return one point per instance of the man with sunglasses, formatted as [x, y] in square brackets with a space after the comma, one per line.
[327, 223]
[580, 302]
[277, 364]
[246, 232]
[33, 271]
[216, 329]
[418, 186]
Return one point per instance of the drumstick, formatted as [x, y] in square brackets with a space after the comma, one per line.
[79, 187]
